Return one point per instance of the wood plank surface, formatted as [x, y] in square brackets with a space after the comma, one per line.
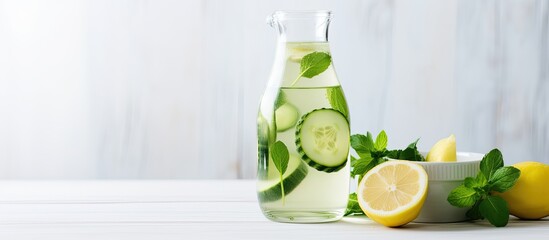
[214, 209]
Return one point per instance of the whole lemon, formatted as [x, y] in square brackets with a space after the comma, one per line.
[529, 197]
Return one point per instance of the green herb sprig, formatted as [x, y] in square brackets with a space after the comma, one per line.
[353, 208]
[313, 64]
[410, 153]
[477, 193]
[370, 154]
[281, 157]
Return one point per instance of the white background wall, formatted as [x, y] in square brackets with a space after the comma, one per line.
[170, 89]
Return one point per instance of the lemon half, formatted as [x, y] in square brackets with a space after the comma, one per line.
[393, 192]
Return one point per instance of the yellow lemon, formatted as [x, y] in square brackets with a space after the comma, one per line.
[529, 197]
[393, 192]
[443, 151]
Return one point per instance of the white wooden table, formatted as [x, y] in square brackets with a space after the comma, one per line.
[182, 209]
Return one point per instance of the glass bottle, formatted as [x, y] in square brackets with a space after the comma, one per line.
[303, 121]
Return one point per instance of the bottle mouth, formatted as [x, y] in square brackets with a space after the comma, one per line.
[302, 14]
[296, 15]
[301, 26]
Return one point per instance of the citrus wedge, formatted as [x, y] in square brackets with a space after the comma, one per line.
[393, 192]
[443, 151]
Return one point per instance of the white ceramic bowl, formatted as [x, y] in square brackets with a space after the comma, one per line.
[443, 177]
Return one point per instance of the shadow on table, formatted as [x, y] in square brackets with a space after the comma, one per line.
[447, 227]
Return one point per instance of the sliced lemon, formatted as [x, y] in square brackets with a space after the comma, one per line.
[298, 52]
[393, 192]
[443, 151]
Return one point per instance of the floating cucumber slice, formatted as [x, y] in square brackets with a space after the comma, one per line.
[262, 145]
[270, 190]
[323, 139]
[286, 117]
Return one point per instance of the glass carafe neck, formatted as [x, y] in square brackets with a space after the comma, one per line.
[310, 26]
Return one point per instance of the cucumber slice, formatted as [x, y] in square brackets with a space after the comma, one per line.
[286, 117]
[270, 190]
[263, 135]
[323, 139]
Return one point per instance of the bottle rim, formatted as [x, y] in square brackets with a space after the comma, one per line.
[307, 14]
[302, 14]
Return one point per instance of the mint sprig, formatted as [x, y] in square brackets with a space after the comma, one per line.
[281, 157]
[362, 144]
[476, 193]
[313, 64]
[370, 154]
[353, 208]
[409, 153]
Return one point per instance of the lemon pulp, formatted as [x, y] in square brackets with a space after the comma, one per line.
[393, 193]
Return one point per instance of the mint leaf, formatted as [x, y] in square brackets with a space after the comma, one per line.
[409, 153]
[362, 145]
[371, 153]
[337, 100]
[504, 178]
[481, 179]
[281, 157]
[353, 208]
[313, 64]
[381, 141]
[494, 208]
[474, 212]
[362, 165]
[413, 145]
[480, 184]
[280, 100]
[394, 154]
[353, 160]
[463, 196]
[491, 162]
[472, 183]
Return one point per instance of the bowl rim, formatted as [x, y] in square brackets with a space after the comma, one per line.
[467, 158]
[470, 157]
